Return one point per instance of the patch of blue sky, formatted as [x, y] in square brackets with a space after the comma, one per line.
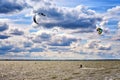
[106, 56]
[101, 5]
[18, 18]
[83, 41]
[33, 30]
[81, 52]
[14, 16]
[23, 22]
[36, 50]
[6, 48]
[16, 50]
[3, 52]
[105, 36]
[97, 5]
[112, 22]
[59, 49]
[101, 9]
[112, 26]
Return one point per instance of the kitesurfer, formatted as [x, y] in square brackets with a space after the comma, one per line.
[81, 66]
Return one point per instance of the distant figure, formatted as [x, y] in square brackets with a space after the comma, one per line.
[81, 66]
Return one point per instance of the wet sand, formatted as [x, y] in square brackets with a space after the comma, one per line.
[59, 70]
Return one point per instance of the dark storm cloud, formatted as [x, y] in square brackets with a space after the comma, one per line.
[3, 27]
[9, 6]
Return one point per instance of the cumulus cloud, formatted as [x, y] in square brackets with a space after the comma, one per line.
[16, 32]
[39, 3]
[112, 13]
[57, 55]
[74, 39]
[98, 45]
[116, 37]
[62, 41]
[115, 11]
[51, 39]
[10, 6]
[17, 54]
[41, 37]
[71, 18]
[101, 48]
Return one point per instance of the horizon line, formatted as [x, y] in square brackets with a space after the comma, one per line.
[59, 59]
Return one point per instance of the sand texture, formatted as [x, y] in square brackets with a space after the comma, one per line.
[59, 70]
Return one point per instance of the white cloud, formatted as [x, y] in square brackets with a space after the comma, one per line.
[118, 25]
[71, 18]
[112, 13]
[98, 45]
[68, 55]
[70, 35]
[16, 32]
[17, 54]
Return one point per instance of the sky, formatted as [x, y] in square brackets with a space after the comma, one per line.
[67, 31]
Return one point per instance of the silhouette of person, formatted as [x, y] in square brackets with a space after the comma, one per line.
[81, 66]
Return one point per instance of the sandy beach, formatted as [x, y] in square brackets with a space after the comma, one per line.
[59, 70]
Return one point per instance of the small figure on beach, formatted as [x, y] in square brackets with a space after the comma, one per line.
[81, 66]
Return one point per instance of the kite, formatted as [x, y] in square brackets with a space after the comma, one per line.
[34, 18]
[99, 30]
[42, 14]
